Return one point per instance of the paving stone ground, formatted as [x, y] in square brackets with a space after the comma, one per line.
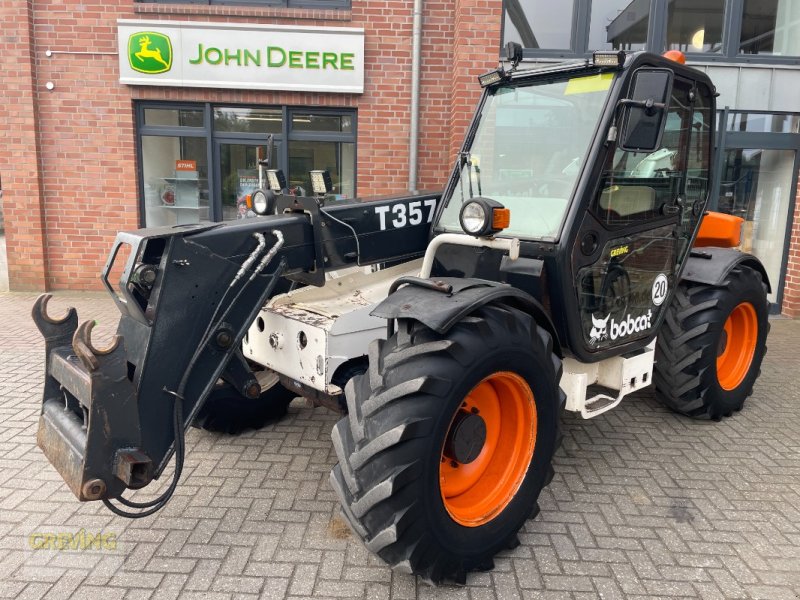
[644, 504]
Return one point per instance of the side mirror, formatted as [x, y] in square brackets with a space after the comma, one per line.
[644, 115]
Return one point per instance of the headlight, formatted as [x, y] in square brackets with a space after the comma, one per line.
[473, 218]
[260, 202]
[484, 216]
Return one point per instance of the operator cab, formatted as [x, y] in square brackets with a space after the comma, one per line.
[604, 167]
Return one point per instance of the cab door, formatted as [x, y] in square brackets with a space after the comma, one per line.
[640, 224]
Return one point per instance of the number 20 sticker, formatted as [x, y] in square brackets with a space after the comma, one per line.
[660, 287]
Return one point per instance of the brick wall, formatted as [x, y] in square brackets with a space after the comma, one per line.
[23, 194]
[69, 166]
[791, 291]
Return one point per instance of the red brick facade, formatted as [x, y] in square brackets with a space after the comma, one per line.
[791, 290]
[68, 166]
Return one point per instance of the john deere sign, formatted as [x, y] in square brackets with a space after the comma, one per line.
[227, 55]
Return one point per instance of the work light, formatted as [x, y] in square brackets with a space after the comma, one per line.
[490, 78]
[608, 59]
[321, 182]
[276, 180]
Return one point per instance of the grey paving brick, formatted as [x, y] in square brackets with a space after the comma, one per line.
[644, 504]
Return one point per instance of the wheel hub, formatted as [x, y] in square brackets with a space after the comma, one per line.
[723, 343]
[466, 437]
[488, 448]
[738, 342]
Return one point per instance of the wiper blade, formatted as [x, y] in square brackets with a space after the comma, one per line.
[466, 159]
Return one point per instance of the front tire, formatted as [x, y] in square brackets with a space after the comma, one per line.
[227, 411]
[711, 345]
[449, 440]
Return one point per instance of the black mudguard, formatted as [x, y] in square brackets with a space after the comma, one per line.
[711, 265]
[443, 301]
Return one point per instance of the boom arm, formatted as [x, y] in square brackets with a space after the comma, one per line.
[111, 418]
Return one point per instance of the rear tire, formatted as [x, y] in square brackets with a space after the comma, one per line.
[227, 411]
[710, 347]
[394, 477]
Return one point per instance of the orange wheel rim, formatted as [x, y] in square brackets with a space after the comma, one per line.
[476, 491]
[737, 346]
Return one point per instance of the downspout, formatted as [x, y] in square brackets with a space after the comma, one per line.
[413, 137]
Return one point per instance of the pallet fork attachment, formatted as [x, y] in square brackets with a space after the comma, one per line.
[112, 417]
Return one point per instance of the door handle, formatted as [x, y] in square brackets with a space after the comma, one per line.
[674, 208]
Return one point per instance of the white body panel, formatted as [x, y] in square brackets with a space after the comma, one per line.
[625, 374]
[335, 320]
[307, 334]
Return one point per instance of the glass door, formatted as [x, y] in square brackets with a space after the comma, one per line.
[757, 184]
[238, 176]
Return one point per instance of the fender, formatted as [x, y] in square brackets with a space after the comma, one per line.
[441, 303]
[711, 265]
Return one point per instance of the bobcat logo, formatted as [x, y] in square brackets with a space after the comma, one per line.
[599, 330]
[602, 330]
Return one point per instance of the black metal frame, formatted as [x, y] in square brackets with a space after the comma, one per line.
[214, 138]
[656, 36]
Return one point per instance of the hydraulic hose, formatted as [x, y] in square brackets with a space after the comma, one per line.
[158, 503]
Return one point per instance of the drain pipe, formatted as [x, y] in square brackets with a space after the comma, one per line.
[413, 138]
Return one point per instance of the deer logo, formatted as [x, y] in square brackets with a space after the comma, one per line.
[599, 330]
[149, 52]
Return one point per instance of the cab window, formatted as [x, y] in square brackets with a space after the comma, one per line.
[638, 186]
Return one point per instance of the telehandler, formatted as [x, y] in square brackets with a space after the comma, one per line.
[568, 262]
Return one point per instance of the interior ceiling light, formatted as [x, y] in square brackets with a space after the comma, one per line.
[698, 38]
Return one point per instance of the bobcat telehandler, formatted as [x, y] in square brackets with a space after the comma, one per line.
[568, 262]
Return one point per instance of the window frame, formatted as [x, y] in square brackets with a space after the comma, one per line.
[733, 16]
[212, 137]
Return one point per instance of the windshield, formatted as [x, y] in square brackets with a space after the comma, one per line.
[528, 151]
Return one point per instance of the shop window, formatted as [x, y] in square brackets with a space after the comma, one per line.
[199, 162]
[173, 117]
[336, 157]
[771, 27]
[751, 31]
[248, 120]
[315, 122]
[174, 180]
[695, 26]
[536, 24]
[757, 184]
[239, 172]
[763, 122]
[618, 25]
